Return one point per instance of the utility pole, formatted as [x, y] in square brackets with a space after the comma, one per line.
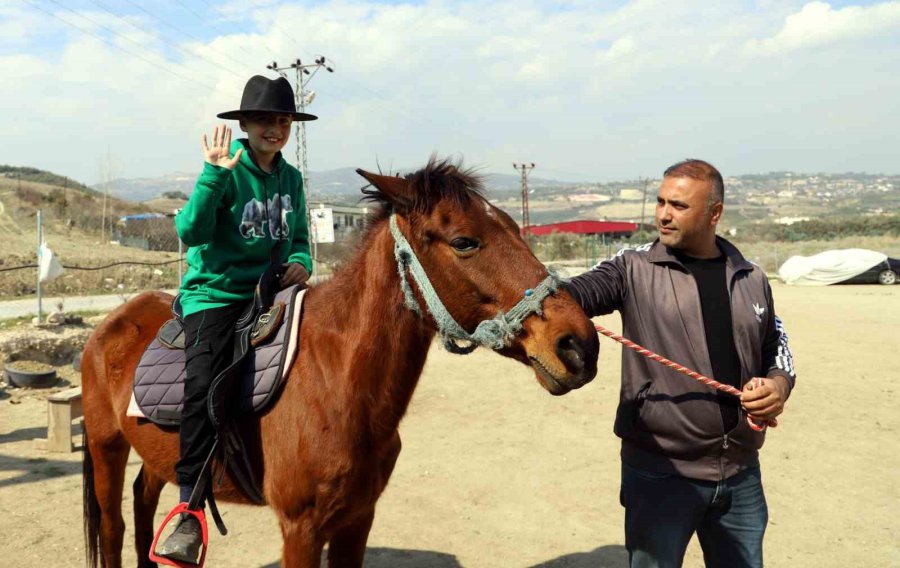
[107, 176]
[643, 201]
[523, 169]
[302, 98]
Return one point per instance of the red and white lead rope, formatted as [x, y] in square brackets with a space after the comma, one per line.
[759, 426]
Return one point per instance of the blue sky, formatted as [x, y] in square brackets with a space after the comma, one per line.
[587, 90]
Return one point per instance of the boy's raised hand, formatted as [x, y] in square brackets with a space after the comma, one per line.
[217, 154]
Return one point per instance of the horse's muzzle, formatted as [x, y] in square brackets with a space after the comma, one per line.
[576, 365]
[580, 358]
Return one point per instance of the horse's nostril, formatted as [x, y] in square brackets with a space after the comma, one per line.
[571, 352]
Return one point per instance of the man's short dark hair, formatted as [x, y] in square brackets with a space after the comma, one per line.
[703, 171]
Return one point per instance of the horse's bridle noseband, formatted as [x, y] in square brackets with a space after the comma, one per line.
[495, 333]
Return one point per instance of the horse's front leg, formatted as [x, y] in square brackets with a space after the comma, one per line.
[302, 542]
[348, 547]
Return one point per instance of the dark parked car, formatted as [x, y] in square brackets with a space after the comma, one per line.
[886, 272]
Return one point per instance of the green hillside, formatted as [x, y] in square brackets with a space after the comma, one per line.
[42, 176]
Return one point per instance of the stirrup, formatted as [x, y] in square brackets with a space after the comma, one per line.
[180, 508]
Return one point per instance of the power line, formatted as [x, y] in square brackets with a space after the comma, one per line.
[176, 46]
[586, 176]
[113, 44]
[186, 33]
[389, 107]
[105, 266]
[207, 22]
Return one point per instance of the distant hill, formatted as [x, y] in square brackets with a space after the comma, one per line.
[41, 176]
[771, 197]
[337, 182]
[146, 189]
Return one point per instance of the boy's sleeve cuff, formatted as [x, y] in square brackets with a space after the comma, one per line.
[213, 173]
[303, 259]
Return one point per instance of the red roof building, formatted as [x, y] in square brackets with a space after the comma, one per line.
[611, 228]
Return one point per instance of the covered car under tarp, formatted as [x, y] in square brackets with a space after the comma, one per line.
[829, 267]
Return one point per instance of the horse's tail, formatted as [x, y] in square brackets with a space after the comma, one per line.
[91, 506]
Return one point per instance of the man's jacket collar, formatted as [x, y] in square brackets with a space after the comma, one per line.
[661, 254]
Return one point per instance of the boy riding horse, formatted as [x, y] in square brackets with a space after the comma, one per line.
[226, 261]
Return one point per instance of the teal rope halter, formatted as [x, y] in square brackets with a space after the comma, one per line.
[494, 333]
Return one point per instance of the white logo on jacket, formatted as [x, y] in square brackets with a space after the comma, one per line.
[760, 310]
[272, 214]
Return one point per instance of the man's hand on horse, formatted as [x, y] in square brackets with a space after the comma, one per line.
[767, 400]
[217, 154]
[294, 273]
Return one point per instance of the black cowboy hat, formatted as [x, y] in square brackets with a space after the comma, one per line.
[267, 95]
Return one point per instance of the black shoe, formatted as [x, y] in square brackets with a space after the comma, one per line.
[185, 541]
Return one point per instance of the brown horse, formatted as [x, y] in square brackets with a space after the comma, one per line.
[328, 444]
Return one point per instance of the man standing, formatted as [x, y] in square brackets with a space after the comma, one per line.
[689, 457]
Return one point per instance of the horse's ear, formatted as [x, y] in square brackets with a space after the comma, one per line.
[397, 190]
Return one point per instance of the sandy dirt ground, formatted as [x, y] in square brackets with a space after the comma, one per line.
[495, 472]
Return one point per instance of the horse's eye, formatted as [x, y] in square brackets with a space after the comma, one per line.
[464, 244]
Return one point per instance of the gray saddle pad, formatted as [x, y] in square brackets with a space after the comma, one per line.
[159, 377]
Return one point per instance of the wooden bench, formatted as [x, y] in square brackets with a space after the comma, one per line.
[63, 408]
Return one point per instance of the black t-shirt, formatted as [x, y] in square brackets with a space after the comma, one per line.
[716, 304]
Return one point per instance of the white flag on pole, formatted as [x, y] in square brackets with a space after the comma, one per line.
[49, 267]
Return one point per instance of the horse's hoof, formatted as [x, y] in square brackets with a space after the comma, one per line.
[185, 541]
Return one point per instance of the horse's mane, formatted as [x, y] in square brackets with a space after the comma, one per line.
[438, 180]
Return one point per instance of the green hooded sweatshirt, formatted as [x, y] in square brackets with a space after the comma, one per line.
[230, 224]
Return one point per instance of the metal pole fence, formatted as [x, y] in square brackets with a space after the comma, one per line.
[40, 239]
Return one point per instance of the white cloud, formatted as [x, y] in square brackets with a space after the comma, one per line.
[817, 24]
[573, 87]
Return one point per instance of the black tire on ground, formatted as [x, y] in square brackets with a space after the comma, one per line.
[30, 379]
[887, 277]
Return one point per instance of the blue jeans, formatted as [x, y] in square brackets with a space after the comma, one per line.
[662, 512]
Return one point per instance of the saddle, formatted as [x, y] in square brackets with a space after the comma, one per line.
[266, 340]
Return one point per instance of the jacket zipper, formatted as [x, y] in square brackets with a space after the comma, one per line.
[738, 350]
[721, 458]
[721, 454]
[729, 285]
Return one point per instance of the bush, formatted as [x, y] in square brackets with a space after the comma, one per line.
[826, 229]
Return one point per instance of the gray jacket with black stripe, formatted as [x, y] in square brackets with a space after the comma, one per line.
[670, 423]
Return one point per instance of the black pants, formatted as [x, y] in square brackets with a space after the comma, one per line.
[209, 347]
